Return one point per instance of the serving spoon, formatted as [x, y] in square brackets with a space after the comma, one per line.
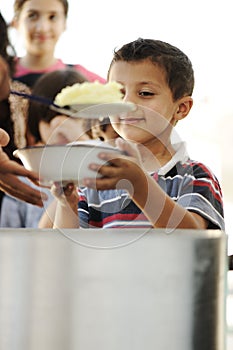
[90, 110]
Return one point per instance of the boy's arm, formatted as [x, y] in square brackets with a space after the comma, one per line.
[161, 210]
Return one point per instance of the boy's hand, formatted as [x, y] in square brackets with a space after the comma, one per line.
[122, 171]
[65, 194]
[66, 207]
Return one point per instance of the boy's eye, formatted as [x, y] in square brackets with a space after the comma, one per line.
[146, 93]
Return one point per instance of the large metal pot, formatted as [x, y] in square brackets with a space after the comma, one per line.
[112, 289]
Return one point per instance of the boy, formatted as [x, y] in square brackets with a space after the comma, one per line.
[154, 183]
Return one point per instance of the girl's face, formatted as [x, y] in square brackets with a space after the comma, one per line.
[144, 84]
[41, 23]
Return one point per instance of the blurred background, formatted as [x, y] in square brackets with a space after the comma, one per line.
[203, 30]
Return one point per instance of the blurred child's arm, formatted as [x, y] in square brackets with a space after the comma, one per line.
[65, 211]
[47, 219]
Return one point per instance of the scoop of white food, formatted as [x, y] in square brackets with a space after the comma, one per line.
[90, 93]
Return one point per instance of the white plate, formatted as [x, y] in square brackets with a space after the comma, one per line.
[64, 163]
[94, 111]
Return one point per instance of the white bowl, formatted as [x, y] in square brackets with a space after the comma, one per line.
[64, 163]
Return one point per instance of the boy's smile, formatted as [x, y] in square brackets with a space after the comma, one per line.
[130, 120]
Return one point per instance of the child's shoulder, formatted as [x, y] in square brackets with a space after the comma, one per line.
[194, 168]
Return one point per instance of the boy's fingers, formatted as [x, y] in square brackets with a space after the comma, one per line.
[68, 189]
[128, 147]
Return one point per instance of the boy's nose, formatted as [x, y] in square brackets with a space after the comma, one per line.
[129, 98]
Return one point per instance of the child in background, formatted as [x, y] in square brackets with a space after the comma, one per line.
[41, 24]
[156, 184]
[13, 120]
[100, 129]
[44, 127]
[96, 129]
[9, 169]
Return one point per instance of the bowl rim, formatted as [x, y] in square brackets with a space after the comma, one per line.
[78, 144]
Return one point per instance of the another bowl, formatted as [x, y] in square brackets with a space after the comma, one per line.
[64, 163]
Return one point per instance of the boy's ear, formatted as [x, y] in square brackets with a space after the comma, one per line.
[183, 107]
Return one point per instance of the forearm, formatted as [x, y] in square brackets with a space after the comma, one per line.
[47, 219]
[160, 209]
[66, 216]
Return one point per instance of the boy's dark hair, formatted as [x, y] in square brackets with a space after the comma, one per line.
[176, 65]
[49, 85]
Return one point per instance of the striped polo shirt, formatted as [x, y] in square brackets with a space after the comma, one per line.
[189, 183]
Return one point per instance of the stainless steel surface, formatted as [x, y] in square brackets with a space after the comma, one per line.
[112, 289]
[229, 310]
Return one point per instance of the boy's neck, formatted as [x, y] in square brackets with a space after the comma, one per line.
[156, 154]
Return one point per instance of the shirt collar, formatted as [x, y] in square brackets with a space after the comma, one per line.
[181, 155]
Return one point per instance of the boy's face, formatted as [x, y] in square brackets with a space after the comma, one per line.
[145, 85]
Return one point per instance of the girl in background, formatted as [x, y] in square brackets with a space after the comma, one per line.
[41, 24]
